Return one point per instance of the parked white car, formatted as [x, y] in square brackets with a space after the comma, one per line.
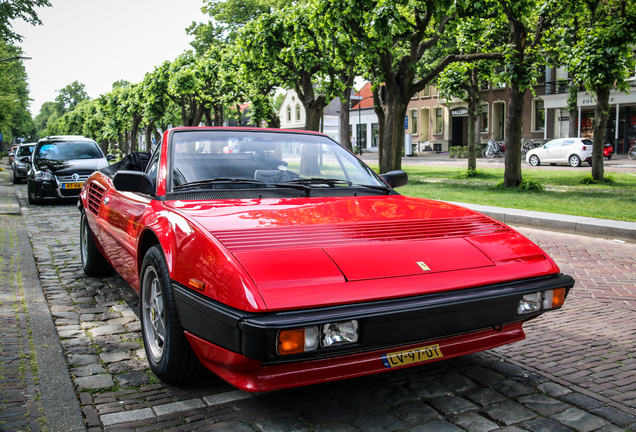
[573, 151]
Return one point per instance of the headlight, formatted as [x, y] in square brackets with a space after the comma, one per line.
[296, 341]
[339, 333]
[548, 299]
[43, 175]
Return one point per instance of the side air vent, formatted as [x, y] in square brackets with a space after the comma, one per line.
[95, 195]
[370, 232]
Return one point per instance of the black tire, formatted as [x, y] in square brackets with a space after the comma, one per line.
[31, 196]
[15, 179]
[93, 262]
[169, 354]
[574, 160]
[534, 160]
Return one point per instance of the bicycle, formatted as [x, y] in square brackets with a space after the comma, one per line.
[631, 154]
[492, 149]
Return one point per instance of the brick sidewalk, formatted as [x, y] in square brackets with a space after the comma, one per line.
[19, 390]
[590, 345]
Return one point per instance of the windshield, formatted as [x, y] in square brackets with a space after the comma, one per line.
[67, 150]
[266, 158]
[24, 151]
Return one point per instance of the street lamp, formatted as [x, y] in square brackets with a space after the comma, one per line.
[15, 58]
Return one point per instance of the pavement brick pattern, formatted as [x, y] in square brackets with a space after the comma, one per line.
[574, 372]
[19, 390]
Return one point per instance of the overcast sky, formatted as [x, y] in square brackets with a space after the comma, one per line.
[98, 42]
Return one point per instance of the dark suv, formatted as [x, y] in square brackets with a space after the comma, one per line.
[61, 164]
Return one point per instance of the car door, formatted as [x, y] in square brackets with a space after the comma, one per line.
[551, 151]
[120, 213]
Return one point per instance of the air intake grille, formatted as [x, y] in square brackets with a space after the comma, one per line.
[95, 195]
[332, 235]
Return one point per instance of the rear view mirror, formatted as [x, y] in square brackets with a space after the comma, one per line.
[134, 181]
[25, 159]
[395, 178]
[110, 157]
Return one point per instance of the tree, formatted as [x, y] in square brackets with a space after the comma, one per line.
[602, 59]
[69, 96]
[15, 119]
[464, 79]
[18, 9]
[399, 36]
[522, 58]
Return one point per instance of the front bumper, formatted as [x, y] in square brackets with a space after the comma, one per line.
[54, 189]
[383, 325]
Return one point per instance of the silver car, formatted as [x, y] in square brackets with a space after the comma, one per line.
[21, 162]
[573, 151]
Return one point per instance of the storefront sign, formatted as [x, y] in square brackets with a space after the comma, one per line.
[459, 111]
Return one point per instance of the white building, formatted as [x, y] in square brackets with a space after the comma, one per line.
[292, 115]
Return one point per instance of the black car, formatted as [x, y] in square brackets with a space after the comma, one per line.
[21, 162]
[61, 164]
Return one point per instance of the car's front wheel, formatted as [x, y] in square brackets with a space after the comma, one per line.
[16, 179]
[575, 160]
[534, 160]
[31, 195]
[169, 354]
[93, 262]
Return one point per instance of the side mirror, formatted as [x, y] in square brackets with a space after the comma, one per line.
[395, 178]
[110, 157]
[25, 159]
[134, 181]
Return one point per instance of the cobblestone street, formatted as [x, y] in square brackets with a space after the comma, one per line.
[575, 371]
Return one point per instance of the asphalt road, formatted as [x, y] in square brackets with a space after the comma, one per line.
[575, 371]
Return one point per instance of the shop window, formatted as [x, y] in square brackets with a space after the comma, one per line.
[439, 121]
[414, 122]
[375, 134]
[483, 119]
[539, 115]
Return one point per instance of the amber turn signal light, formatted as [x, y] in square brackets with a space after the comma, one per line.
[197, 284]
[291, 341]
[558, 297]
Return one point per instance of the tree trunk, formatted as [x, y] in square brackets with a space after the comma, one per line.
[344, 117]
[309, 166]
[392, 133]
[312, 119]
[134, 141]
[601, 113]
[208, 117]
[218, 115]
[473, 117]
[273, 121]
[573, 110]
[148, 133]
[514, 124]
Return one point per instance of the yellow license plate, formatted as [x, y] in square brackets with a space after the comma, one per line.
[415, 355]
[72, 185]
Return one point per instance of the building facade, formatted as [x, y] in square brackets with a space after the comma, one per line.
[292, 115]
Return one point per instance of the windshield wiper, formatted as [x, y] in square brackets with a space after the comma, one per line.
[217, 180]
[386, 189]
[316, 181]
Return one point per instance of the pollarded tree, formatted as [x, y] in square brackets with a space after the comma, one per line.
[284, 48]
[464, 79]
[602, 59]
[528, 21]
[398, 36]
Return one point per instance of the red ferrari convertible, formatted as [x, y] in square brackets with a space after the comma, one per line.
[279, 259]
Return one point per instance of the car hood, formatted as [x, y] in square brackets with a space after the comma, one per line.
[325, 251]
[59, 167]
